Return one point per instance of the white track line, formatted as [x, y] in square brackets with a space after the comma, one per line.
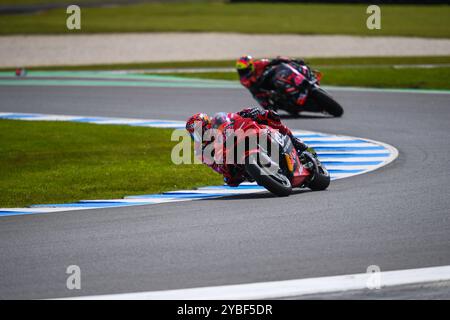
[289, 288]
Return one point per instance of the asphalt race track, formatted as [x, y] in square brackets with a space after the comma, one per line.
[396, 217]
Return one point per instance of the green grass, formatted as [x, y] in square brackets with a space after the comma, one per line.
[350, 71]
[131, 66]
[54, 162]
[34, 2]
[379, 72]
[385, 77]
[274, 18]
[415, 78]
[40, 2]
[317, 62]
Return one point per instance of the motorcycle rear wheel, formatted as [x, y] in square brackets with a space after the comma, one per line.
[320, 182]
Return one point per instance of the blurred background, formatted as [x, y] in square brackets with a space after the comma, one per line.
[203, 38]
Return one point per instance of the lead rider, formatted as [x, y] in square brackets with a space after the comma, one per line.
[232, 176]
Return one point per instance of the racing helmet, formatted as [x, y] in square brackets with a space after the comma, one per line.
[195, 122]
[245, 66]
[220, 121]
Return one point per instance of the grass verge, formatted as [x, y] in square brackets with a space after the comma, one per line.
[268, 18]
[57, 162]
[317, 62]
[384, 77]
[380, 72]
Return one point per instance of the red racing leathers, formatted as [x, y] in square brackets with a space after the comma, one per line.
[234, 175]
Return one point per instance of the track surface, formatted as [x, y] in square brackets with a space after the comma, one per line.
[396, 217]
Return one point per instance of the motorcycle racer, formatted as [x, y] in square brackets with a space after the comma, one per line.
[233, 176]
[253, 76]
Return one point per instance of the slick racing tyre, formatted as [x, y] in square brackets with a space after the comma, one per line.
[327, 103]
[275, 182]
[321, 180]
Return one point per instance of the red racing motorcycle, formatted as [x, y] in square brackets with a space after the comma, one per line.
[262, 154]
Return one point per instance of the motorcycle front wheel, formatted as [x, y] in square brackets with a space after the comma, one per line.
[320, 182]
[275, 182]
[326, 102]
